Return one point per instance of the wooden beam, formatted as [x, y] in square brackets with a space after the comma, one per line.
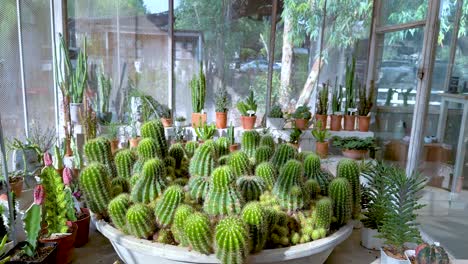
[399, 27]
[170, 61]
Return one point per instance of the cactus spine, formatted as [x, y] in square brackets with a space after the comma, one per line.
[198, 233]
[154, 129]
[340, 193]
[190, 148]
[251, 187]
[124, 161]
[288, 188]
[312, 170]
[180, 217]
[118, 209]
[222, 198]
[263, 153]
[254, 216]
[203, 161]
[267, 172]
[232, 241]
[267, 140]
[147, 149]
[151, 183]
[99, 150]
[249, 143]
[177, 152]
[240, 164]
[96, 187]
[223, 146]
[283, 153]
[349, 169]
[324, 212]
[140, 221]
[198, 187]
[167, 205]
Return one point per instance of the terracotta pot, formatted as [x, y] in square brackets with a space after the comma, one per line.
[167, 122]
[114, 145]
[321, 148]
[335, 124]
[233, 147]
[323, 119]
[17, 186]
[221, 120]
[355, 153]
[134, 142]
[83, 227]
[198, 119]
[65, 246]
[349, 122]
[248, 122]
[302, 124]
[363, 123]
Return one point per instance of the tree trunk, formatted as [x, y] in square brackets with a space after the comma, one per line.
[286, 63]
[309, 85]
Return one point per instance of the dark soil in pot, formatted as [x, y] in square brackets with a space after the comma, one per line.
[46, 254]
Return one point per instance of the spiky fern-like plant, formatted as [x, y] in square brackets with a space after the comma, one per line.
[377, 195]
[232, 241]
[205, 132]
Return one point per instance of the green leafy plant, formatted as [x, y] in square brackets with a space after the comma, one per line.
[295, 136]
[114, 128]
[349, 86]
[322, 100]
[366, 102]
[302, 112]
[205, 131]
[354, 143]
[180, 119]
[276, 112]
[376, 195]
[337, 97]
[198, 88]
[320, 134]
[221, 100]
[165, 111]
[248, 105]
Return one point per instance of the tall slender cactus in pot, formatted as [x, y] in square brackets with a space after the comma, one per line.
[198, 89]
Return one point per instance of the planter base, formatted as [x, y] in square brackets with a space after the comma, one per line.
[368, 239]
[385, 259]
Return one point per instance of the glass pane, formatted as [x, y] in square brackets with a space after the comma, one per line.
[402, 11]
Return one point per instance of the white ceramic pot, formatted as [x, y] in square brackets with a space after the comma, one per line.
[275, 123]
[138, 251]
[75, 112]
[369, 239]
[179, 123]
[385, 259]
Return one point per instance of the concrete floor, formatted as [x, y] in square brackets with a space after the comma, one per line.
[99, 250]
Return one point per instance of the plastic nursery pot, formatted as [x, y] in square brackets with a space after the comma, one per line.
[301, 123]
[83, 228]
[321, 148]
[248, 122]
[75, 110]
[167, 122]
[335, 122]
[47, 257]
[134, 142]
[363, 123]
[386, 259]
[198, 119]
[349, 122]
[233, 147]
[323, 119]
[369, 239]
[221, 120]
[114, 145]
[65, 246]
[16, 185]
[275, 122]
[355, 153]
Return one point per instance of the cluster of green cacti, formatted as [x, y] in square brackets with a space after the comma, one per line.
[349, 169]
[155, 130]
[249, 143]
[223, 198]
[118, 208]
[267, 172]
[151, 183]
[140, 220]
[177, 152]
[289, 187]
[232, 241]
[99, 150]
[255, 217]
[147, 149]
[308, 229]
[119, 185]
[268, 141]
[190, 148]
[167, 205]
[223, 146]
[313, 170]
[251, 187]
[198, 187]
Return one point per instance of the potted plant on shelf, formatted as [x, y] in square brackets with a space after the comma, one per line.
[295, 137]
[77, 77]
[165, 115]
[349, 118]
[198, 89]
[205, 132]
[321, 135]
[364, 106]
[275, 118]
[302, 116]
[25, 156]
[248, 109]
[337, 115]
[399, 225]
[179, 135]
[233, 146]
[425, 253]
[114, 129]
[221, 108]
[322, 106]
[180, 121]
[134, 139]
[354, 147]
[104, 87]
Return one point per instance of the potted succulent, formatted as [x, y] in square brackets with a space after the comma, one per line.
[198, 89]
[29, 155]
[221, 108]
[104, 87]
[180, 121]
[233, 146]
[165, 115]
[425, 253]
[399, 225]
[248, 109]
[354, 147]
[337, 115]
[322, 106]
[134, 138]
[321, 135]
[114, 129]
[77, 77]
[302, 116]
[295, 137]
[349, 118]
[275, 118]
[205, 132]
[364, 106]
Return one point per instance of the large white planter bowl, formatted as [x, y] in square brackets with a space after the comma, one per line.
[138, 251]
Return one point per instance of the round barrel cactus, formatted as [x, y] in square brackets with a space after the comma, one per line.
[240, 164]
[118, 208]
[232, 241]
[154, 129]
[267, 172]
[140, 221]
[198, 232]
[349, 169]
[289, 187]
[124, 161]
[263, 153]
[251, 187]
[254, 216]
[151, 183]
[340, 193]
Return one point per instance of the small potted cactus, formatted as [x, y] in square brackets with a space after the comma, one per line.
[275, 118]
[165, 115]
[322, 106]
[301, 117]
[205, 132]
[233, 146]
[425, 253]
[350, 101]
[114, 129]
[221, 108]
[295, 137]
[134, 138]
[364, 106]
[248, 109]
[321, 135]
[337, 115]
[180, 121]
[198, 89]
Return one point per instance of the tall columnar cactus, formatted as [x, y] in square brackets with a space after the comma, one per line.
[283, 153]
[198, 187]
[198, 233]
[289, 187]
[255, 217]
[349, 169]
[340, 193]
[147, 149]
[323, 215]
[232, 241]
[99, 150]
[154, 129]
[198, 89]
[167, 205]
[223, 146]
[177, 152]
[140, 221]
[119, 185]
[151, 183]
[190, 148]
[222, 198]
[249, 143]
[180, 217]
[267, 172]
[267, 140]
[124, 161]
[240, 164]
[118, 208]
[96, 187]
[203, 161]
[251, 187]
[312, 170]
[263, 153]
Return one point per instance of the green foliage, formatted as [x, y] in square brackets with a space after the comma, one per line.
[302, 112]
[267, 172]
[221, 100]
[232, 241]
[254, 216]
[288, 189]
[198, 232]
[283, 153]
[250, 140]
[276, 112]
[32, 227]
[205, 132]
[190, 148]
[366, 102]
[376, 205]
[167, 205]
[349, 169]
[154, 129]
[140, 221]
[249, 104]
[180, 217]
[262, 154]
[295, 136]
[251, 187]
[239, 163]
[322, 100]
[96, 187]
[337, 97]
[118, 208]
[124, 161]
[203, 161]
[320, 134]
[222, 198]
[340, 193]
[99, 150]
[151, 183]
[354, 143]
[198, 89]
[350, 92]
